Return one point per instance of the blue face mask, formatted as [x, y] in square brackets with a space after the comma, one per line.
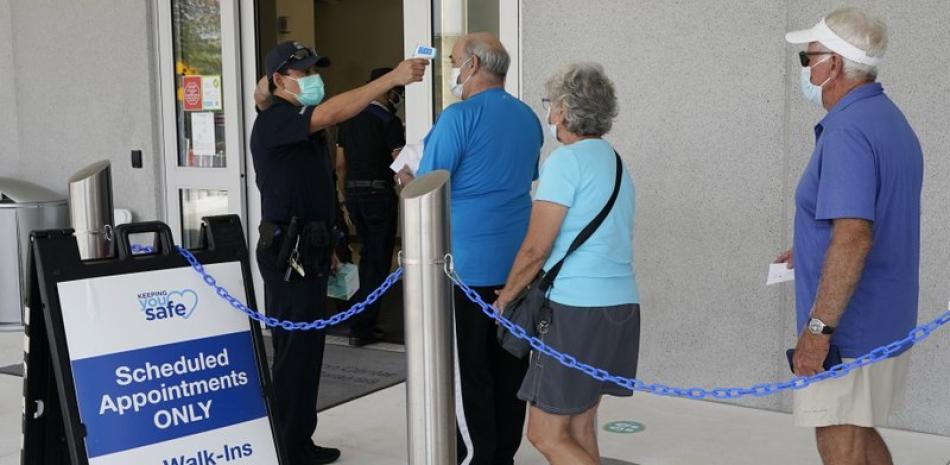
[812, 92]
[311, 90]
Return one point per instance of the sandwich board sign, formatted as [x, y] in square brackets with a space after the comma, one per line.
[150, 365]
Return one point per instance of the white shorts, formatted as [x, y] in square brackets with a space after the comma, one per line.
[864, 397]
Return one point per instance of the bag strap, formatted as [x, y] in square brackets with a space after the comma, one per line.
[589, 230]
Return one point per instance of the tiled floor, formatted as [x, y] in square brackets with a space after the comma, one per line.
[371, 431]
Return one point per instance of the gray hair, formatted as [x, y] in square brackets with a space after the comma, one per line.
[865, 32]
[587, 97]
[494, 58]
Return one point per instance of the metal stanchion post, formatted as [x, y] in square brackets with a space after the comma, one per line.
[90, 210]
[430, 388]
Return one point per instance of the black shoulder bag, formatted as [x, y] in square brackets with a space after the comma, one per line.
[531, 309]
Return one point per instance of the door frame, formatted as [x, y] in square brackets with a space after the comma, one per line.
[231, 177]
[417, 29]
[249, 32]
[509, 32]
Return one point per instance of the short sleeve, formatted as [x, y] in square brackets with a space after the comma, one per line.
[847, 180]
[443, 146]
[560, 177]
[540, 133]
[288, 125]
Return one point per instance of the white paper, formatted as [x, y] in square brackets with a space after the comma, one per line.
[779, 273]
[211, 92]
[202, 133]
[411, 156]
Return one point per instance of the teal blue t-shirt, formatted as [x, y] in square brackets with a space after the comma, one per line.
[600, 273]
[490, 143]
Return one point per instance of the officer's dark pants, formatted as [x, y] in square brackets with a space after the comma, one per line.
[490, 379]
[374, 214]
[298, 355]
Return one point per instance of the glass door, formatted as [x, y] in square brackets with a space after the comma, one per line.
[202, 113]
[441, 23]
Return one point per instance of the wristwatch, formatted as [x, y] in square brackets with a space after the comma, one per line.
[816, 326]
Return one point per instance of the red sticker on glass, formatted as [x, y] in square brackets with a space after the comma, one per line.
[191, 93]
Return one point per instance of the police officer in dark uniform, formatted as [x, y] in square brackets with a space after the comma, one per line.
[295, 179]
[368, 143]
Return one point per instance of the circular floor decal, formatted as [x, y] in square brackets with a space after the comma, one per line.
[624, 427]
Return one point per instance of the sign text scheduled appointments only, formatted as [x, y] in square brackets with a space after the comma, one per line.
[165, 371]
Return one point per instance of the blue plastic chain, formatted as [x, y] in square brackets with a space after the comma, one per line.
[271, 321]
[915, 336]
[759, 390]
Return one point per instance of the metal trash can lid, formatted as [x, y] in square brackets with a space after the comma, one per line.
[17, 192]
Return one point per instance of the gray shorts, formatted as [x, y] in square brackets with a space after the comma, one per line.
[603, 337]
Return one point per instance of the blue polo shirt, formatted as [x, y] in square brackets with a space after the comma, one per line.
[490, 143]
[867, 164]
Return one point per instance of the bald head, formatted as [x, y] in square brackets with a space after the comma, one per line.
[487, 39]
[493, 59]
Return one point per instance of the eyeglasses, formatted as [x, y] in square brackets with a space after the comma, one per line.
[546, 103]
[298, 55]
[805, 57]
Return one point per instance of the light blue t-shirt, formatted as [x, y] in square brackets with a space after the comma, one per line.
[490, 143]
[600, 273]
[867, 164]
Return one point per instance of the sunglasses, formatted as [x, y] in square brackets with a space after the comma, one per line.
[805, 57]
[298, 55]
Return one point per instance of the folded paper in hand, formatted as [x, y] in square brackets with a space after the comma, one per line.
[410, 156]
[779, 273]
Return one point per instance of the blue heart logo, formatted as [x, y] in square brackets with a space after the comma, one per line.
[186, 297]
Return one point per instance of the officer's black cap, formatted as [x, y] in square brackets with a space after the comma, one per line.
[282, 57]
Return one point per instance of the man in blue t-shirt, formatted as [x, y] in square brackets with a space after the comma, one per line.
[857, 238]
[490, 143]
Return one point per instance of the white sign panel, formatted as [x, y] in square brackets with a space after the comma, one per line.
[211, 93]
[165, 370]
[202, 133]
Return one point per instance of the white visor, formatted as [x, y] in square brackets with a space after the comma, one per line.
[825, 36]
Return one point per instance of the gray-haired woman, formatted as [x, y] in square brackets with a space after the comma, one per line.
[595, 304]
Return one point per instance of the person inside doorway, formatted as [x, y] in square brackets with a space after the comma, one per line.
[367, 144]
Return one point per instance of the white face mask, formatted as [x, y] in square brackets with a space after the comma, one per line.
[812, 92]
[458, 89]
[552, 128]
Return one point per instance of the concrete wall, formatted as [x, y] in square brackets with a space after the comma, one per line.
[9, 137]
[86, 90]
[716, 134]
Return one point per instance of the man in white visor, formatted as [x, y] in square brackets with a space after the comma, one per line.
[856, 249]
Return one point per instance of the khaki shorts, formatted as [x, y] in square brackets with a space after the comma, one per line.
[863, 398]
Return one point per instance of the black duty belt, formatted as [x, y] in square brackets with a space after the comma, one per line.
[304, 247]
[377, 184]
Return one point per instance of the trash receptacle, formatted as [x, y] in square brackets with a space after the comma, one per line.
[24, 207]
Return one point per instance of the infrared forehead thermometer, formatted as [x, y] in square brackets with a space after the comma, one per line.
[424, 51]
